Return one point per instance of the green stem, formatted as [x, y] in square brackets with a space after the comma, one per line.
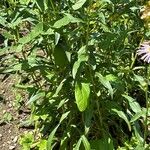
[133, 62]
[53, 7]
[147, 108]
[90, 71]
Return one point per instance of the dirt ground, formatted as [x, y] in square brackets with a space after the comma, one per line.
[10, 113]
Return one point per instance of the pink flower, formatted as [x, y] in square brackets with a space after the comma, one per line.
[144, 52]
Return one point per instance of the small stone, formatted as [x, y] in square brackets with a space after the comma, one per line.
[3, 145]
[4, 111]
[1, 135]
[9, 131]
[8, 142]
[12, 147]
[9, 105]
[15, 139]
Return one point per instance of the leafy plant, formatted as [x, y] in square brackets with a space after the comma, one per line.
[87, 88]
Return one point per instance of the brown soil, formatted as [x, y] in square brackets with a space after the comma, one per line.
[9, 128]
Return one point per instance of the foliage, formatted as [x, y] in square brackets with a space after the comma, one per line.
[87, 88]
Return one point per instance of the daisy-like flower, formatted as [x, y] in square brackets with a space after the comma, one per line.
[144, 52]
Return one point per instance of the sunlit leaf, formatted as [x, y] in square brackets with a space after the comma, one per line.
[77, 147]
[75, 68]
[85, 142]
[105, 83]
[122, 115]
[82, 56]
[42, 145]
[36, 97]
[37, 30]
[78, 4]
[62, 22]
[82, 93]
[3, 21]
[138, 115]
[133, 104]
[141, 80]
[68, 18]
[25, 2]
[64, 116]
[59, 87]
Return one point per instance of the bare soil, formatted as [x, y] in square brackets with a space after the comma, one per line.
[9, 127]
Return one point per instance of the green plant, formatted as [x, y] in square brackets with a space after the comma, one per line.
[6, 118]
[82, 71]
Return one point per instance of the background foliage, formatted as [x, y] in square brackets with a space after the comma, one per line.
[77, 60]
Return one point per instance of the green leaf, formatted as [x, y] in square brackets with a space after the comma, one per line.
[111, 77]
[78, 4]
[25, 2]
[73, 19]
[122, 115]
[50, 31]
[37, 30]
[41, 5]
[60, 56]
[57, 38]
[36, 97]
[64, 116]
[133, 104]
[105, 143]
[68, 18]
[61, 103]
[15, 22]
[8, 35]
[62, 22]
[42, 145]
[105, 83]
[75, 68]
[82, 93]
[88, 114]
[85, 142]
[3, 21]
[77, 147]
[59, 88]
[82, 56]
[26, 141]
[141, 80]
[138, 115]
[7, 117]
[51, 137]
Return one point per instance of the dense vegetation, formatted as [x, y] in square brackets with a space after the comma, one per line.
[77, 60]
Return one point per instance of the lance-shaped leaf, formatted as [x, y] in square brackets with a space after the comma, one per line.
[133, 104]
[78, 4]
[51, 136]
[37, 30]
[82, 93]
[122, 115]
[68, 18]
[85, 143]
[105, 83]
[82, 56]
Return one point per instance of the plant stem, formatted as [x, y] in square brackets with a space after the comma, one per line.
[90, 71]
[53, 7]
[133, 62]
[147, 108]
